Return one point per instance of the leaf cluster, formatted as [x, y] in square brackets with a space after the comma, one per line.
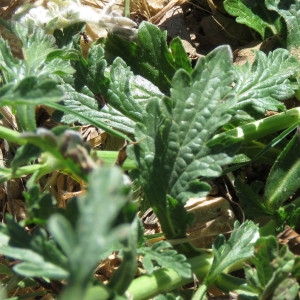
[188, 125]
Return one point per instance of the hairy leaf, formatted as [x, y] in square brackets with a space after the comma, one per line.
[85, 105]
[171, 151]
[113, 95]
[263, 85]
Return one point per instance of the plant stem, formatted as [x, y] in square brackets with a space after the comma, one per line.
[261, 128]
[110, 157]
[166, 279]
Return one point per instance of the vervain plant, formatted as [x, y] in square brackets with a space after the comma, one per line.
[185, 126]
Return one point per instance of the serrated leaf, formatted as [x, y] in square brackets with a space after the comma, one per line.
[238, 248]
[150, 56]
[172, 153]
[255, 15]
[289, 11]
[284, 177]
[128, 93]
[263, 85]
[84, 104]
[163, 255]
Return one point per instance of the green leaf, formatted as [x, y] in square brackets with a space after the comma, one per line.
[24, 155]
[284, 177]
[65, 36]
[250, 200]
[39, 206]
[125, 94]
[238, 248]
[94, 71]
[171, 153]
[261, 86]
[272, 273]
[40, 268]
[25, 95]
[128, 93]
[255, 15]
[125, 273]
[94, 230]
[289, 11]
[161, 254]
[150, 56]
[87, 111]
[36, 252]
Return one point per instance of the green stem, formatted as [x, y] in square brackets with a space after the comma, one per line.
[11, 136]
[261, 128]
[167, 279]
[110, 158]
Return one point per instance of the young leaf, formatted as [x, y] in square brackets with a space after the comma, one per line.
[255, 15]
[238, 248]
[273, 268]
[289, 11]
[94, 231]
[263, 85]
[250, 200]
[150, 56]
[164, 256]
[64, 37]
[284, 177]
[171, 153]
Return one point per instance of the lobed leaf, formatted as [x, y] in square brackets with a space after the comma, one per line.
[263, 85]
[113, 95]
[161, 254]
[87, 111]
[238, 248]
[149, 56]
[172, 153]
